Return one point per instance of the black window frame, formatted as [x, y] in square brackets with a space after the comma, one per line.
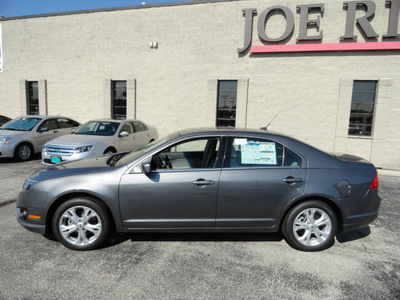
[226, 114]
[32, 98]
[115, 97]
[363, 128]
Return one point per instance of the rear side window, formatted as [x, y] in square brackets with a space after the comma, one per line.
[139, 127]
[292, 159]
[253, 152]
[66, 123]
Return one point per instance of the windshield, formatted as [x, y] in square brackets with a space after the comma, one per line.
[104, 128]
[21, 124]
[131, 156]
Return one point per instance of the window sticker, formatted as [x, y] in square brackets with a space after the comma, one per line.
[240, 141]
[263, 153]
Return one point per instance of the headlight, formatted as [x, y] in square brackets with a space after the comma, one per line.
[5, 140]
[83, 149]
[28, 184]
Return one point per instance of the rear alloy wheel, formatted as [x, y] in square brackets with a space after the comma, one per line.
[310, 226]
[81, 224]
[23, 152]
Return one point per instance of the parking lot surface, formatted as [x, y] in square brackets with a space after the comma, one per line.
[364, 264]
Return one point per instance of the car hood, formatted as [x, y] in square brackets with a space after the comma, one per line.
[76, 140]
[5, 133]
[84, 166]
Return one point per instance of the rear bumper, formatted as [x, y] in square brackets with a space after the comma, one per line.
[362, 211]
[356, 222]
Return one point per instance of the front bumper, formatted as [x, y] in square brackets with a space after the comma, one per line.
[6, 150]
[47, 157]
[35, 227]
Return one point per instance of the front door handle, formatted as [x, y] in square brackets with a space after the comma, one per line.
[201, 181]
[55, 131]
[291, 179]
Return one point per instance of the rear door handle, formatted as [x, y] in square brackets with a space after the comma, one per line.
[201, 181]
[291, 179]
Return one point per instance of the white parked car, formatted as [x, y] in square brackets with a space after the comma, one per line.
[24, 136]
[99, 137]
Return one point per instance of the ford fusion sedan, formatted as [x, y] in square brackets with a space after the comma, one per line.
[99, 137]
[208, 180]
[22, 137]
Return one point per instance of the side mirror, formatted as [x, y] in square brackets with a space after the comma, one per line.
[124, 134]
[146, 168]
[73, 130]
[43, 129]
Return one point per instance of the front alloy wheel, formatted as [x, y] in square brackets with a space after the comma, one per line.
[23, 152]
[81, 224]
[310, 226]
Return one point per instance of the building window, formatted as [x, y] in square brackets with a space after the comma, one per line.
[362, 108]
[118, 101]
[226, 103]
[32, 97]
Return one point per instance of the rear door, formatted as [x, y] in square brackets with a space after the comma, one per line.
[258, 179]
[141, 135]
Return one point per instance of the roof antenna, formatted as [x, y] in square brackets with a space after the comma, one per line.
[266, 127]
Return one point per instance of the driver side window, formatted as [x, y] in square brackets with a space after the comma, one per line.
[192, 154]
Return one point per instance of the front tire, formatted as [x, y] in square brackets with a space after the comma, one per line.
[310, 226]
[81, 223]
[23, 152]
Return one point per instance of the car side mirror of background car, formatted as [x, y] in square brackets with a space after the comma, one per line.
[43, 129]
[73, 130]
[124, 134]
[146, 168]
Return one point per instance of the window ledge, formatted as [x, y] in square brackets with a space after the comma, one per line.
[360, 137]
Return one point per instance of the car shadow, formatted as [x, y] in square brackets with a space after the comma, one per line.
[6, 160]
[353, 235]
[192, 237]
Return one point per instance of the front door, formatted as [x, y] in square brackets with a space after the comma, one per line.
[179, 192]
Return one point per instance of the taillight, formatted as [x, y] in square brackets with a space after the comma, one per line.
[375, 182]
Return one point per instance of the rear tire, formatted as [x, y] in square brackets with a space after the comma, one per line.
[310, 226]
[23, 152]
[81, 223]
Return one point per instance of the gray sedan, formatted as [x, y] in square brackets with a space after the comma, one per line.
[205, 180]
[24, 136]
[98, 137]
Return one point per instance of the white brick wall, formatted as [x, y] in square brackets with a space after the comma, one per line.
[174, 86]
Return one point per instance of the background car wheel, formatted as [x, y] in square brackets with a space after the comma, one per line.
[23, 152]
[310, 226]
[110, 150]
[81, 223]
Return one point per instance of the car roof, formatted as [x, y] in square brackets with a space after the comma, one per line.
[113, 120]
[42, 117]
[228, 131]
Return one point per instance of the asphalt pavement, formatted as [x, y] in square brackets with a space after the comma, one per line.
[364, 264]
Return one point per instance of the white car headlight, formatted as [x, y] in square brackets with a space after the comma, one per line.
[83, 149]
